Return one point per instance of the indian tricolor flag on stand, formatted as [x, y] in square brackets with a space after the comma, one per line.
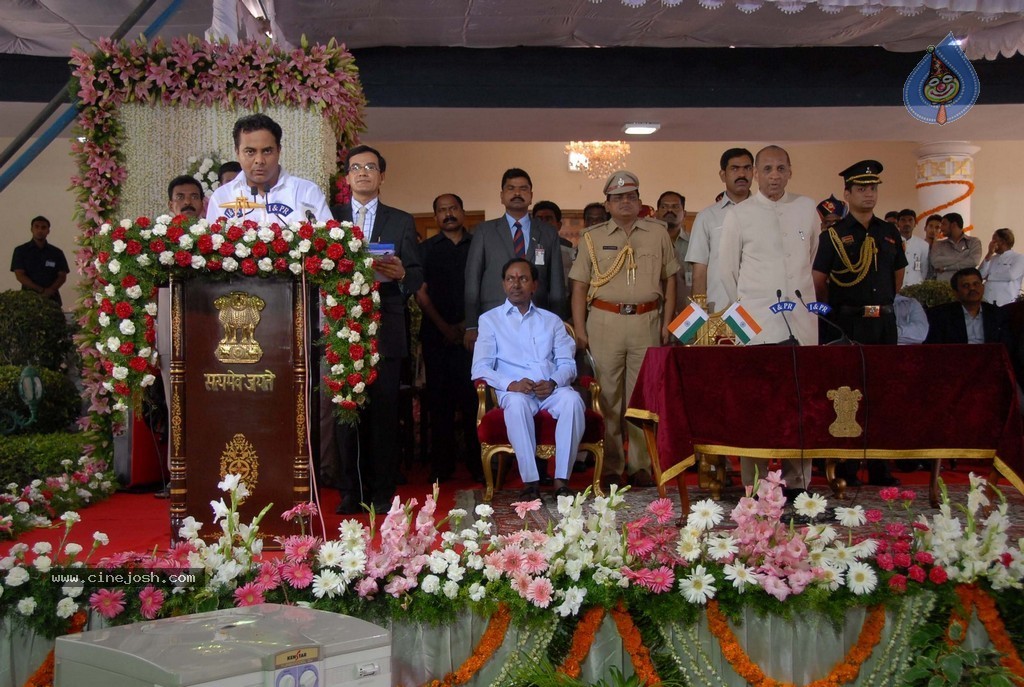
[686, 324]
[741, 323]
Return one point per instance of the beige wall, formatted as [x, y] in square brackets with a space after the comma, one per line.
[417, 172]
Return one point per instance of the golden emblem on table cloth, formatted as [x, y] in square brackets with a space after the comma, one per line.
[846, 402]
[239, 315]
[239, 458]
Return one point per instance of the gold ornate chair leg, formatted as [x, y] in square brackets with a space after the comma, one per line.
[838, 486]
[652, 450]
[596, 450]
[486, 452]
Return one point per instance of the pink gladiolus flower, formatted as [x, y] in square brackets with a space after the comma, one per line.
[151, 600]
[298, 575]
[107, 602]
[248, 595]
[776, 587]
[539, 592]
[366, 587]
[524, 507]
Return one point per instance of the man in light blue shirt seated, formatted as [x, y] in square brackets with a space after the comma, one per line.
[525, 354]
[911, 320]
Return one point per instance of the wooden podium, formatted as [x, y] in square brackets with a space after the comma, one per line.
[238, 400]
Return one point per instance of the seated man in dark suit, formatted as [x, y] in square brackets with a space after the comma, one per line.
[969, 320]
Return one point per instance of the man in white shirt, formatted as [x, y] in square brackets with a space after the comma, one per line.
[737, 171]
[264, 191]
[768, 244]
[915, 248]
[1002, 269]
[526, 355]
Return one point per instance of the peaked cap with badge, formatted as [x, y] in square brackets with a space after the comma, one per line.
[863, 172]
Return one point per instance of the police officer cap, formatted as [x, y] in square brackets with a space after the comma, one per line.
[863, 172]
[621, 182]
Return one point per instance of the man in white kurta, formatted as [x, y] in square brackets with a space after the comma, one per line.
[914, 247]
[768, 244]
[526, 355]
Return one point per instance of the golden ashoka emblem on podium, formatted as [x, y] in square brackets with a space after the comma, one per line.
[239, 315]
[846, 402]
[239, 457]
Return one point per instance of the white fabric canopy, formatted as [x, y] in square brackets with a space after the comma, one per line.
[991, 27]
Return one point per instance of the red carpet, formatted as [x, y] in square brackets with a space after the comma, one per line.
[140, 522]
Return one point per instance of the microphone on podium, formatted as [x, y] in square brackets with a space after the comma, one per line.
[819, 310]
[781, 307]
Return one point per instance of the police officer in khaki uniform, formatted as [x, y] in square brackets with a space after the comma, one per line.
[622, 277]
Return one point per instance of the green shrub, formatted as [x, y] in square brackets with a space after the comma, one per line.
[37, 456]
[33, 331]
[930, 293]
[59, 406]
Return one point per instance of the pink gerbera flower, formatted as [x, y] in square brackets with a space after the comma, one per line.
[107, 602]
[151, 600]
[524, 507]
[662, 509]
[299, 547]
[660, 580]
[269, 576]
[248, 595]
[298, 575]
[534, 562]
[539, 592]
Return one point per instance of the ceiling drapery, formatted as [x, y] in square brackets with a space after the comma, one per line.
[990, 27]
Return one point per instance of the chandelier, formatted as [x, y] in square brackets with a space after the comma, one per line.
[597, 158]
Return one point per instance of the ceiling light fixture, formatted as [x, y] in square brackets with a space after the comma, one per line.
[640, 128]
[597, 158]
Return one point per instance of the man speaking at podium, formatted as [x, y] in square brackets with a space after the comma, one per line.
[264, 191]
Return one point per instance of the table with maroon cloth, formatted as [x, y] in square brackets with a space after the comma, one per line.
[923, 402]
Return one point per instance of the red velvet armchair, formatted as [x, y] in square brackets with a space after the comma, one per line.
[490, 429]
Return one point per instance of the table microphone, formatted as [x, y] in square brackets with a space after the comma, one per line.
[791, 341]
[843, 339]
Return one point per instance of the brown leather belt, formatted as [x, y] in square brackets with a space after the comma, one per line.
[625, 308]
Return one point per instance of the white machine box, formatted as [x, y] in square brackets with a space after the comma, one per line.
[267, 645]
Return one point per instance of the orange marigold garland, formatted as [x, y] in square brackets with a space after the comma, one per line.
[582, 640]
[634, 643]
[43, 677]
[493, 637]
[845, 671]
[940, 208]
[973, 597]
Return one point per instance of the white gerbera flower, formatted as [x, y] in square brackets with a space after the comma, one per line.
[721, 547]
[331, 554]
[810, 505]
[740, 576]
[852, 516]
[860, 578]
[705, 514]
[327, 582]
[698, 586]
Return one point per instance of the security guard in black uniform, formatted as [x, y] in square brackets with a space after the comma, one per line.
[858, 270]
